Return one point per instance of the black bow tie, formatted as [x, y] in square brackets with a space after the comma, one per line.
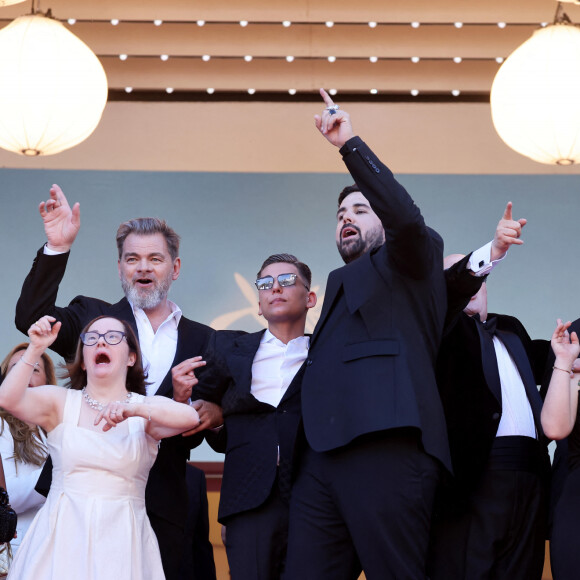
[490, 325]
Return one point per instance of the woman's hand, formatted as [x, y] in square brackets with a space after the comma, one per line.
[566, 347]
[43, 333]
[114, 413]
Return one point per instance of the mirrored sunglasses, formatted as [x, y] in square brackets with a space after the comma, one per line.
[284, 280]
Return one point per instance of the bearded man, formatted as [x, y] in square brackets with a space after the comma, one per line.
[148, 264]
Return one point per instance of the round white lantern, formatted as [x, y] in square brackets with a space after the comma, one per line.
[535, 97]
[53, 88]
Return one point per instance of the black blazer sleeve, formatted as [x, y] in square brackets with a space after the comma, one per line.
[38, 298]
[410, 241]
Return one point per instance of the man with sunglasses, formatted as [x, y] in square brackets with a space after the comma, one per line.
[148, 264]
[259, 390]
[373, 420]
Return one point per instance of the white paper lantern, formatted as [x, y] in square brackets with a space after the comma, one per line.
[535, 97]
[53, 89]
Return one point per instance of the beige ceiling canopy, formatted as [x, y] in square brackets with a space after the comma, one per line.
[268, 49]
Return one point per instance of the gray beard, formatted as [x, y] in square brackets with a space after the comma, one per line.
[149, 300]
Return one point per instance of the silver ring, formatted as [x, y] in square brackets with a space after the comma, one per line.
[113, 412]
[332, 108]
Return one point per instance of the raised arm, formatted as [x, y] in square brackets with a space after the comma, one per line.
[561, 403]
[61, 223]
[165, 418]
[413, 249]
[41, 405]
[40, 288]
[334, 124]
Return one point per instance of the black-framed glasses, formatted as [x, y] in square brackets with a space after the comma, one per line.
[111, 337]
[285, 280]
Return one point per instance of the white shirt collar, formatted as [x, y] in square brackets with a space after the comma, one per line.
[175, 312]
[269, 337]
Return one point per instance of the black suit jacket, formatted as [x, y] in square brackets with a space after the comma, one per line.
[371, 365]
[253, 430]
[166, 492]
[472, 402]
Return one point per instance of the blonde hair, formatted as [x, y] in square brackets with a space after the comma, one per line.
[27, 445]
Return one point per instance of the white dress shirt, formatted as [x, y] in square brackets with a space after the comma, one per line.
[516, 415]
[158, 348]
[275, 365]
[480, 262]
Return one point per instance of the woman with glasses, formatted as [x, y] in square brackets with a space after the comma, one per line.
[23, 447]
[103, 435]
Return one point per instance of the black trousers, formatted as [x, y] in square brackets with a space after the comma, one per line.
[366, 506]
[172, 544]
[565, 541]
[501, 533]
[256, 540]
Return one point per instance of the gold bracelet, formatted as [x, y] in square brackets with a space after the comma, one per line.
[555, 368]
[35, 365]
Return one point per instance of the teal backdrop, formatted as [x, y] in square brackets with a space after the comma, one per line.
[229, 222]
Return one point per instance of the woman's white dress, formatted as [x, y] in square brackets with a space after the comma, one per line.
[93, 525]
[20, 481]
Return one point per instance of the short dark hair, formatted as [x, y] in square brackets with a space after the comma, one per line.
[347, 191]
[147, 227]
[302, 268]
[135, 374]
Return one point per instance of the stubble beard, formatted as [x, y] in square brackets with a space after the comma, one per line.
[147, 298]
[351, 250]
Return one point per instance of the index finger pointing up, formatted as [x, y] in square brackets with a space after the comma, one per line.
[326, 98]
[507, 214]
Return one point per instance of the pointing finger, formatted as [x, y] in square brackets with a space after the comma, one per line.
[507, 214]
[326, 98]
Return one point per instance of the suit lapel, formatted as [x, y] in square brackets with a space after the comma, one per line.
[333, 285]
[295, 385]
[488, 360]
[123, 310]
[241, 357]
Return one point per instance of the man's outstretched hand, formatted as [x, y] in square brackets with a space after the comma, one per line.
[507, 233]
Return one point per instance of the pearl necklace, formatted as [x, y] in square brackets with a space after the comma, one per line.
[97, 405]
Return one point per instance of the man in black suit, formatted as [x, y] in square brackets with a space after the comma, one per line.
[491, 521]
[148, 264]
[371, 410]
[259, 391]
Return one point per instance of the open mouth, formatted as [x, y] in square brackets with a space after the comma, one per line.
[144, 281]
[102, 359]
[348, 231]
